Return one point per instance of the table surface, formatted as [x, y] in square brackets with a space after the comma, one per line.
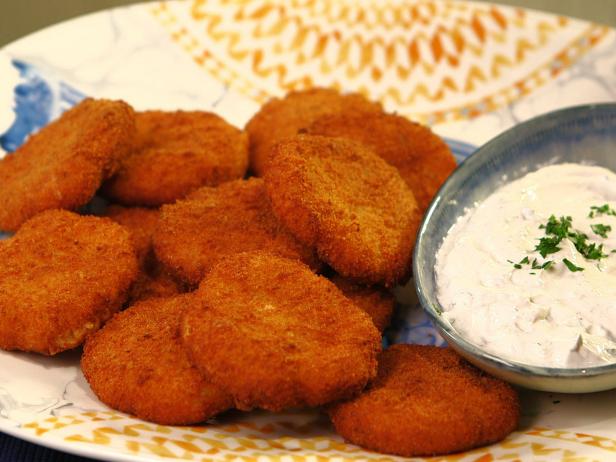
[25, 16]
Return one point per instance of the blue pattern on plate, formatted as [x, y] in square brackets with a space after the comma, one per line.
[38, 100]
[411, 324]
[460, 149]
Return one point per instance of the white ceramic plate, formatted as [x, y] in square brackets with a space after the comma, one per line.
[469, 70]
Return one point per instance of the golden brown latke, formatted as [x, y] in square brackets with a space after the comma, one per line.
[137, 364]
[338, 196]
[62, 165]
[275, 335]
[427, 401]
[423, 159]
[176, 153]
[63, 275]
[281, 118]
[215, 222]
[378, 303]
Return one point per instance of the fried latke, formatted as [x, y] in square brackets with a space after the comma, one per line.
[427, 401]
[281, 118]
[63, 165]
[63, 275]
[423, 159]
[176, 153]
[136, 364]
[338, 196]
[377, 302]
[275, 335]
[215, 222]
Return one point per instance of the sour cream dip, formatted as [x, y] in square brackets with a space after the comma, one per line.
[523, 274]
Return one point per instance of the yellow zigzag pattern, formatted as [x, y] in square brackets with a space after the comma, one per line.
[249, 441]
[607, 444]
[347, 58]
[367, 46]
[378, 15]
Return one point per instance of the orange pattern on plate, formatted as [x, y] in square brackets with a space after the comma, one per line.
[287, 437]
[434, 61]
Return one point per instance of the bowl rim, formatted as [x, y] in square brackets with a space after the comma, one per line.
[433, 307]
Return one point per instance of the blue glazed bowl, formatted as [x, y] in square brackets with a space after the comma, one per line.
[578, 134]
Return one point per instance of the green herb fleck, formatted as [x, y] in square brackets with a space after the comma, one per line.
[524, 261]
[600, 210]
[548, 245]
[546, 265]
[571, 266]
[601, 230]
[588, 251]
[557, 227]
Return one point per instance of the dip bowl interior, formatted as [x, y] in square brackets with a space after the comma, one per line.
[582, 134]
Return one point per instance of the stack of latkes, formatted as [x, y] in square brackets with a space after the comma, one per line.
[205, 288]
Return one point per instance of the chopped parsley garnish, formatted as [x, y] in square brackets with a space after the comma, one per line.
[589, 251]
[601, 230]
[555, 230]
[593, 252]
[604, 209]
[546, 265]
[548, 245]
[558, 229]
[524, 261]
[534, 265]
[571, 266]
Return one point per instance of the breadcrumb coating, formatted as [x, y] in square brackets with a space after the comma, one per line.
[275, 335]
[63, 165]
[427, 401]
[336, 195]
[137, 364]
[63, 276]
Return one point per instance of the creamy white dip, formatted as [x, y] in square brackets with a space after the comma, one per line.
[549, 317]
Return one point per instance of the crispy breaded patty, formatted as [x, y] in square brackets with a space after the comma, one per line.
[63, 275]
[176, 153]
[423, 159]
[336, 195]
[63, 165]
[215, 222]
[377, 302]
[275, 335]
[136, 364]
[427, 401]
[281, 118]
